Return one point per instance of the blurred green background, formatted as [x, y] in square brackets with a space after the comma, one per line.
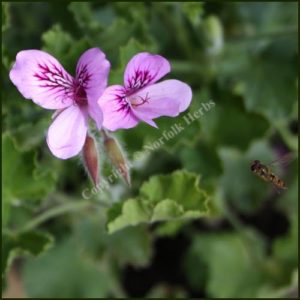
[196, 222]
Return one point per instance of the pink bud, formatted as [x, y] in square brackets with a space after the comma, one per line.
[90, 158]
[115, 153]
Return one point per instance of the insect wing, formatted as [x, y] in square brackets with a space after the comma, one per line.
[283, 161]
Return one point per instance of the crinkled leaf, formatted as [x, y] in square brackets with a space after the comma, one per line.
[180, 186]
[164, 197]
[133, 212]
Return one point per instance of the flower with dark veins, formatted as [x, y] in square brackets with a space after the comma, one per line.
[141, 99]
[40, 77]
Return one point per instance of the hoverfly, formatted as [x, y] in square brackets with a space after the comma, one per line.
[265, 172]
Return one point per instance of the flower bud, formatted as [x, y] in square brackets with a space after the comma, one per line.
[115, 153]
[213, 35]
[90, 158]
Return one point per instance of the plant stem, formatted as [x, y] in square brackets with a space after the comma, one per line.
[56, 211]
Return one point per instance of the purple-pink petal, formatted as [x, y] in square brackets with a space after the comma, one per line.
[144, 69]
[144, 117]
[166, 98]
[116, 110]
[95, 113]
[67, 133]
[40, 77]
[92, 72]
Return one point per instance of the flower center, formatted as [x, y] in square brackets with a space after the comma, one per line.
[138, 100]
[80, 97]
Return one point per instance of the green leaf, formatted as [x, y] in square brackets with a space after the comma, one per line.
[223, 263]
[285, 250]
[202, 159]
[25, 122]
[164, 197]
[270, 87]
[63, 272]
[181, 187]
[169, 229]
[23, 179]
[139, 16]
[259, 61]
[15, 245]
[30, 135]
[133, 212]
[84, 16]
[130, 246]
[220, 125]
[121, 30]
[64, 47]
[194, 266]
[57, 41]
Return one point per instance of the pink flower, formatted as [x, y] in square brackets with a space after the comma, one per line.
[40, 77]
[141, 99]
